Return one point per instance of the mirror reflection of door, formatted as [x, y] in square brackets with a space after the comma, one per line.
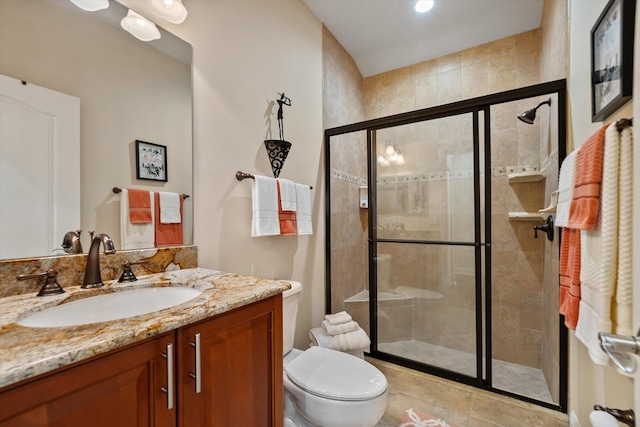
[39, 189]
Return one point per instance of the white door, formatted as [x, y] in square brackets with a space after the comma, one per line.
[39, 168]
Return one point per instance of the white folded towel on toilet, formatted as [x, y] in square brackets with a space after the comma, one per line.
[341, 328]
[337, 318]
[351, 341]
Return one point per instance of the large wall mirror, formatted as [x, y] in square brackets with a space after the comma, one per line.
[127, 89]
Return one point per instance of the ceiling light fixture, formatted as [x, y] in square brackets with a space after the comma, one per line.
[423, 6]
[140, 27]
[91, 5]
[170, 10]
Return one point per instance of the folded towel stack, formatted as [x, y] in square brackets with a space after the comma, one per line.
[340, 332]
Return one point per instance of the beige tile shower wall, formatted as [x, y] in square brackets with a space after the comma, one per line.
[501, 65]
[553, 65]
[342, 104]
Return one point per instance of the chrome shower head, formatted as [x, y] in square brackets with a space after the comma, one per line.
[529, 116]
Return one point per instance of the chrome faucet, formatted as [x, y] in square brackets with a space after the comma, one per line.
[92, 278]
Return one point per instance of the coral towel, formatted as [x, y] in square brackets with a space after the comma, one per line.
[588, 175]
[167, 234]
[134, 236]
[570, 276]
[600, 256]
[139, 206]
[287, 207]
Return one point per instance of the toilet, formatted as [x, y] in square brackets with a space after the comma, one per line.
[324, 387]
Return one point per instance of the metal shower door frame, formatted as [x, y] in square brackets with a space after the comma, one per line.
[483, 319]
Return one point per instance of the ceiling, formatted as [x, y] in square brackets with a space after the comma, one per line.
[382, 35]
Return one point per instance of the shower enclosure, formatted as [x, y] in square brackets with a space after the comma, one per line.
[431, 246]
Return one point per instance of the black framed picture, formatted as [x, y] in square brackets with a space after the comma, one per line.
[151, 161]
[612, 58]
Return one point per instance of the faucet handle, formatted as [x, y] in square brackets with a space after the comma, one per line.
[127, 274]
[50, 287]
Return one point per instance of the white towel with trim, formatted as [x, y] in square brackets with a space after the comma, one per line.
[303, 214]
[599, 256]
[622, 309]
[565, 189]
[341, 328]
[337, 318]
[135, 236]
[287, 195]
[351, 341]
[264, 196]
[170, 208]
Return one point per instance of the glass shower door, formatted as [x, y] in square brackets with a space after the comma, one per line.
[427, 243]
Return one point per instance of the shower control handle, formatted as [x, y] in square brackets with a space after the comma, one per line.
[546, 228]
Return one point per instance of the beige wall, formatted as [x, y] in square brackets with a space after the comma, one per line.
[127, 91]
[245, 52]
[589, 383]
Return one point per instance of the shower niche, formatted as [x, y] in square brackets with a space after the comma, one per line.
[442, 270]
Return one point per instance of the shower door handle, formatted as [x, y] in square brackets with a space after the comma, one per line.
[620, 349]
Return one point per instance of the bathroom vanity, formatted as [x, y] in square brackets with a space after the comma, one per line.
[212, 361]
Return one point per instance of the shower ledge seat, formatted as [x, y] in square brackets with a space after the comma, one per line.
[534, 176]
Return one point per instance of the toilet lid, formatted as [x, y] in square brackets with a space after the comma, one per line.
[336, 375]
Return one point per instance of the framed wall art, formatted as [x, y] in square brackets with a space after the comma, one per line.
[151, 161]
[612, 58]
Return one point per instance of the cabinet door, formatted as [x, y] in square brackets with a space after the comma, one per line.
[119, 389]
[240, 368]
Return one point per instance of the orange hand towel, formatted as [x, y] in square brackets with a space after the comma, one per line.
[139, 206]
[288, 225]
[570, 276]
[588, 176]
[167, 234]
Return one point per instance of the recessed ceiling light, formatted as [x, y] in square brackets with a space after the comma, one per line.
[423, 6]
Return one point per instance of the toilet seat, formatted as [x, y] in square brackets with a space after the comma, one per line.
[335, 375]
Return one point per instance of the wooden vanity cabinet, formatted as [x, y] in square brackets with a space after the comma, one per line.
[231, 368]
[121, 388]
[240, 373]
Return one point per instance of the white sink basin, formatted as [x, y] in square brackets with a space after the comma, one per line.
[104, 308]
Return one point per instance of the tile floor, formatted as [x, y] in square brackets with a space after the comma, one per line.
[518, 379]
[457, 403]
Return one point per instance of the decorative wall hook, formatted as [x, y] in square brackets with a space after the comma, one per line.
[278, 149]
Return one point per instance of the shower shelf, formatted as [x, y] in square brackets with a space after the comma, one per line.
[527, 216]
[526, 177]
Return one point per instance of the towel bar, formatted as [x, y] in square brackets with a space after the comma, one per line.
[623, 123]
[242, 176]
[118, 190]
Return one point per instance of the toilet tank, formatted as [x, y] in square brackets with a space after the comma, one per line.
[290, 299]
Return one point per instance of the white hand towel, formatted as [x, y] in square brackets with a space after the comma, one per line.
[622, 309]
[303, 214]
[135, 236]
[264, 194]
[565, 189]
[351, 341]
[337, 318]
[341, 328]
[170, 208]
[288, 195]
[599, 256]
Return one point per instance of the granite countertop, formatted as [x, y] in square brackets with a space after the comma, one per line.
[26, 352]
